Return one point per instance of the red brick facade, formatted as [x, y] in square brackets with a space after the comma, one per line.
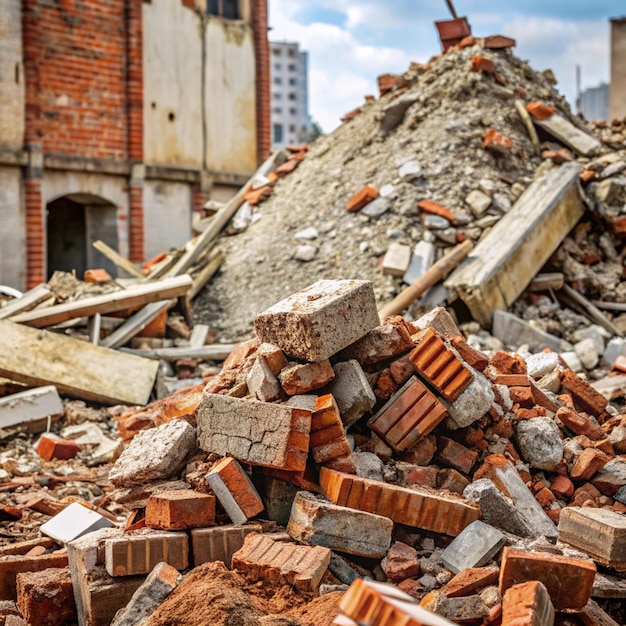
[262, 55]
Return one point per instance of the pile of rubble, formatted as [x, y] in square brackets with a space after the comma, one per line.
[332, 451]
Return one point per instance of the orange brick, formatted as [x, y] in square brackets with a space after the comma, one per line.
[385, 385]
[527, 604]
[562, 487]
[301, 378]
[97, 276]
[256, 196]
[388, 82]
[434, 361]
[522, 396]
[540, 111]
[350, 115]
[474, 358]
[507, 363]
[587, 176]
[527, 414]
[498, 42]
[584, 395]
[361, 198]
[51, 446]
[456, 455]
[428, 206]
[580, 424]
[412, 507]
[512, 380]
[410, 415]
[180, 509]
[235, 490]
[17, 562]
[287, 167]
[496, 142]
[469, 581]
[329, 445]
[588, 463]
[281, 562]
[567, 580]
[482, 64]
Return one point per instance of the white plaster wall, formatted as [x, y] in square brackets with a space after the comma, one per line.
[167, 207]
[12, 229]
[172, 70]
[11, 76]
[230, 95]
[111, 188]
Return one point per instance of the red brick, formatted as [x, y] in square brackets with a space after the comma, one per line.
[498, 42]
[13, 564]
[469, 581]
[428, 206]
[401, 562]
[329, 445]
[540, 111]
[585, 396]
[456, 455]
[507, 363]
[361, 198]
[351, 114]
[496, 142]
[236, 481]
[434, 361]
[287, 167]
[409, 417]
[562, 487]
[472, 357]
[588, 463]
[301, 378]
[527, 604]
[46, 598]
[482, 64]
[180, 509]
[412, 507]
[97, 276]
[281, 562]
[580, 424]
[388, 82]
[522, 396]
[51, 446]
[567, 580]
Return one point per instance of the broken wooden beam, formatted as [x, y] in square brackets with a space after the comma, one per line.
[28, 301]
[573, 137]
[30, 405]
[213, 352]
[507, 259]
[576, 300]
[75, 367]
[117, 259]
[107, 303]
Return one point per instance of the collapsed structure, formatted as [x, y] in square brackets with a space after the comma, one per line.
[481, 473]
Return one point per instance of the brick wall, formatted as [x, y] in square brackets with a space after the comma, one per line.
[75, 70]
[262, 54]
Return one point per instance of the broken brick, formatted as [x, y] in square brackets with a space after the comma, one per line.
[361, 198]
[585, 396]
[412, 507]
[235, 491]
[567, 580]
[408, 416]
[472, 357]
[496, 142]
[301, 378]
[482, 64]
[470, 580]
[46, 598]
[51, 446]
[428, 206]
[180, 509]
[219, 543]
[263, 558]
[580, 424]
[527, 604]
[400, 562]
[434, 361]
[588, 463]
[540, 111]
[456, 455]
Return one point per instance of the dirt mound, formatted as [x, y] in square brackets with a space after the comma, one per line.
[435, 152]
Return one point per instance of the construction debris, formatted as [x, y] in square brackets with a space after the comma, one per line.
[366, 455]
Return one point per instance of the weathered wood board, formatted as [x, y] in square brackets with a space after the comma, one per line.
[508, 258]
[76, 368]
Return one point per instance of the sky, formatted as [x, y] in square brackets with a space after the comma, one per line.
[351, 42]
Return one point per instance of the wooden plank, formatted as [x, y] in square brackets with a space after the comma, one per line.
[206, 273]
[77, 368]
[94, 326]
[27, 302]
[198, 336]
[126, 299]
[116, 258]
[578, 301]
[544, 282]
[610, 306]
[161, 269]
[29, 405]
[136, 323]
[213, 352]
[528, 123]
[508, 258]
[573, 137]
[223, 216]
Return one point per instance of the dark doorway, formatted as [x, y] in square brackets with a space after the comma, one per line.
[73, 223]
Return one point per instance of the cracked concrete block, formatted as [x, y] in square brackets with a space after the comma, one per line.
[351, 390]
[475, 546]
[540, 442]
[542, 364]
[259, 433]
[506, 478]
[316, 520]
[154, 454]
[471, 405]
[322, 319]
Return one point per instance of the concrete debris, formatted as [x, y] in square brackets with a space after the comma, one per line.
[470, 451]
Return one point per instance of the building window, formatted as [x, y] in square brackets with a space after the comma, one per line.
[291, 52]
[223, 8]
[278, 80]
[277, 96]
[277, 110]
[277, 52]
[292, 67]
[293, 96]
[278, 133]
[293, 111]
[293, 81]
[292, 128]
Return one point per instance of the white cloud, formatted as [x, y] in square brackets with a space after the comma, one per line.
[342, 69]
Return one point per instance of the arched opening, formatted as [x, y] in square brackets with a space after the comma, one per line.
[73, 223]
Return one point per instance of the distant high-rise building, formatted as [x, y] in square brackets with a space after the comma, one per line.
[594, 102]
[291, 122]
[617, 101]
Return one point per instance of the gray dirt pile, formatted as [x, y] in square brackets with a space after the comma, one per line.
[435, 153]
